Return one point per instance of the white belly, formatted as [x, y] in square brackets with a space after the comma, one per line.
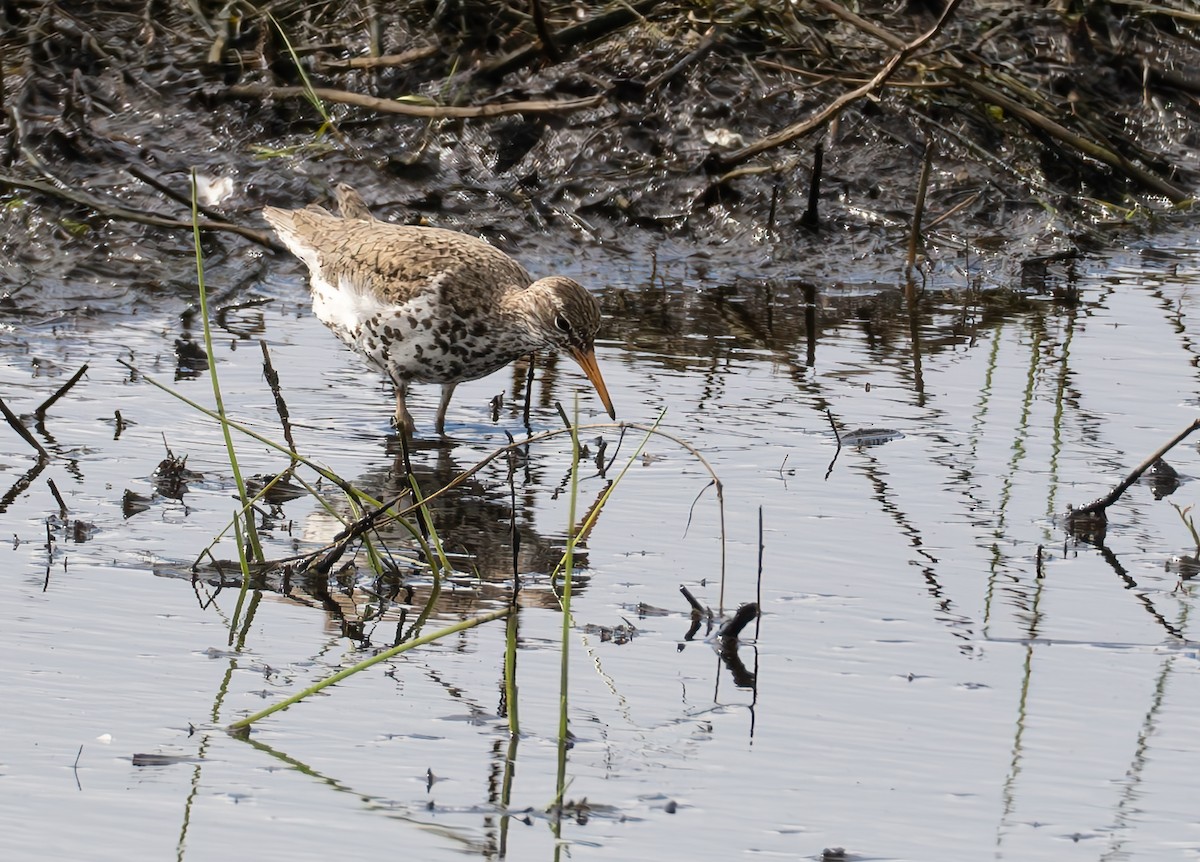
[421, 340]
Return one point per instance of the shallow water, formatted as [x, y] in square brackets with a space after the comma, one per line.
[925, 687]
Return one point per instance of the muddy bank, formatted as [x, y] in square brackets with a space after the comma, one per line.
[684, 133]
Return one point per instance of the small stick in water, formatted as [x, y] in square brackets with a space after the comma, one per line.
[23, 432]
[40, 413]
[272, 376]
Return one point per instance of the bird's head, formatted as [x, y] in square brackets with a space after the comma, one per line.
[567, 318]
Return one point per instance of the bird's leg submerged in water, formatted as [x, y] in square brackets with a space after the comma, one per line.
[443, 405]
[403, 419]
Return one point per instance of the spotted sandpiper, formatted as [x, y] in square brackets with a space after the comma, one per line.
[426, 305]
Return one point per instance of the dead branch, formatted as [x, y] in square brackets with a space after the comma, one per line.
[896, 42]
[40, 413]
[885, 36]
[602, 25]
[804, 127]
[281, 408]
[382, 62]
[545, 34]
[410, 109]
[1099, 505]
[15, 423]
[182, 199]
[123, 214]
[711, 38]
[915, 240]
[1056, 130]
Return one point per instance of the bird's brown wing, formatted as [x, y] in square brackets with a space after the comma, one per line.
[394, 262]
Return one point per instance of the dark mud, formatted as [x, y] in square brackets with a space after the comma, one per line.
[642, 130]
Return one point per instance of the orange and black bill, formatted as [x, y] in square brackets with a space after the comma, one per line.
[587, 361]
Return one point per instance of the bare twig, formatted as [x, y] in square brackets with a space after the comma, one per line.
[838, 437]
[272, 376]
[823, 116]
[695, 55]
[759, 579]
[1060, 132]
[958, 207]
[1098, 505]
[608, 22]
[381, 62]
[711, 37]
[914, 236]
[40, 413]
[1159, 9]
[23, 432]
[733, 626]
[411, 109]
[545, 35]
[179, 198]
[812, 218]
[118, 212]
[697, 608]
[887, 37]
[62, 506]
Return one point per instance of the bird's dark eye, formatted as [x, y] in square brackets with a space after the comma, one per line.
[562, 324]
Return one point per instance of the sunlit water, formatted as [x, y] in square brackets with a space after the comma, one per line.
[925, 689]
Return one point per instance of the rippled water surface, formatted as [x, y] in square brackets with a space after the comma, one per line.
[940, 672]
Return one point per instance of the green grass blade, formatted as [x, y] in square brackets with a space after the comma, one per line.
[251, 531]
[373, 660]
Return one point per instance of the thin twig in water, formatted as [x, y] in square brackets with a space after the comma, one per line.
[272, 376]
[758, 587]
[616, 452]
[692, 507]
[514, 531]
[1188, 521]
[836, 436]
[40, 413]
[811, 218]
[528, 393]
[1102, 503]
[62, 507]
[733, 626]
[697, 608]
[373, 660]
[914, 236]
[23, 432]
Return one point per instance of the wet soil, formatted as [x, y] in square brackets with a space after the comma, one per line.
[643, 131]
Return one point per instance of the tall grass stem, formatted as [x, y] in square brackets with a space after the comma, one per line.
[251, 531]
